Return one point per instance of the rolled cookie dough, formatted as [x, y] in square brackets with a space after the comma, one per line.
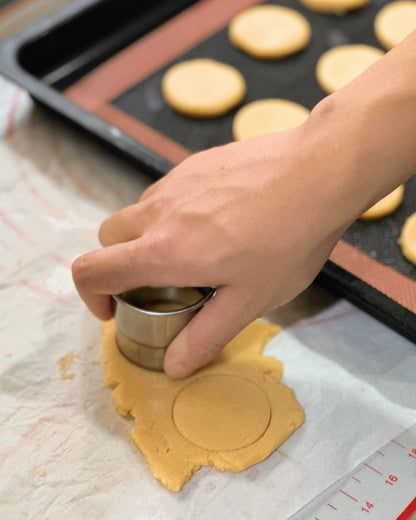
[407, 239]
[333, 6]
[266, 116]
[394, 22]
[269, 31]
[340, 65]
[203, 87]
[231, 414]
[385, 206]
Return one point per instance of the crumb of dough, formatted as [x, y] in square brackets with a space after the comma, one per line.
[95, 361]
[203, 88]
[269, 31]
[267, 116]
[9, 354]
[43, 473]
[65, 363]
[394, 22]
[385, 206]
[340, 65]
[407, 240]
[231, 414]
[334, 6]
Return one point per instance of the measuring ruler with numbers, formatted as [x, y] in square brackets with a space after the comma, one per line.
[383, 487]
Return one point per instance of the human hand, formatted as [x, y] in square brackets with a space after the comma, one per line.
[249, 219]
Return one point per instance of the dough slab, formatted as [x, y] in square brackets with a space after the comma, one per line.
[333, 6]
[203, 87]
[394, 22]
[231, 414]
[269, 31]
[385, 206]
[267, 116]
[340, 65]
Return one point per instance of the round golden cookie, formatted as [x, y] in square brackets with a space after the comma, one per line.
[340, 65]
[203, 87]
[269, 31]
[407, 239]
[333, 6]
[394, 22]
[385, 206]
[267, 116]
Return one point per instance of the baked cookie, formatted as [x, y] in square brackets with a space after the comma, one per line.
[333, 6]
[394, 22]
[385, 206]
[203, 87]
[407, 239]
[267, 116]
[340, 65]
[269, 31]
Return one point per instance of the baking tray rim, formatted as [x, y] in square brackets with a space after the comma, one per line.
[147, 160]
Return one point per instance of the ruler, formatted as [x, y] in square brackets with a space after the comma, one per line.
[383, 487]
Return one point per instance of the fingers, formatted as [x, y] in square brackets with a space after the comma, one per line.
[222, 318]
[123, 226]
[121, 267]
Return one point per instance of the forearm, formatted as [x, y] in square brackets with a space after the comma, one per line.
[364, 135]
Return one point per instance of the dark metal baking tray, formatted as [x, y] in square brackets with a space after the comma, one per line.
[55, 54]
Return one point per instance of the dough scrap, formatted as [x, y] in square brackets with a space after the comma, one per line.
[269, 31]
[340, 65]
[267, 116]
[333, 6]
[407, 238]
[394, 22]
[203, 87]
[385, 206]
[231, 414]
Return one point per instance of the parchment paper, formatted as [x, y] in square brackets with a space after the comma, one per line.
[64, 452]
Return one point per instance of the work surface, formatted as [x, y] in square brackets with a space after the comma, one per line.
[64, 452]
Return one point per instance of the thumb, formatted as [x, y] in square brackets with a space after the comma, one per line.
[222, 318]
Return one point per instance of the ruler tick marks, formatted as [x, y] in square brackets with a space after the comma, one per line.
[371, 467]
[347, 495]
[395, 467]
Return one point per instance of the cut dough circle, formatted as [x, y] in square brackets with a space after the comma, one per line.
[252, 411]
[269, 31]
[203, 87]
[394, 22]
[267, 116]
[340, 65]
[239, 409]
[385, 206]
[407, 239]
[333, 6]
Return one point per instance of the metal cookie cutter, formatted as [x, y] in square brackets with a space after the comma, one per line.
[149, 318]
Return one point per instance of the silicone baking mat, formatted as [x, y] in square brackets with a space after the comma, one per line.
[107, 80]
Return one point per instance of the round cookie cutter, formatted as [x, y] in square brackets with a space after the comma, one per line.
[148, 319]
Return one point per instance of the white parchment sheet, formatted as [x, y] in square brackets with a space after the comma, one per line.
[64, 452]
